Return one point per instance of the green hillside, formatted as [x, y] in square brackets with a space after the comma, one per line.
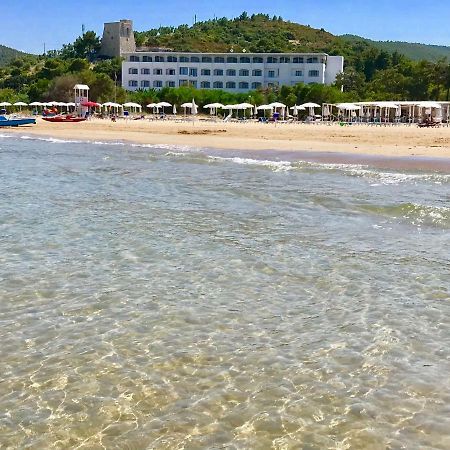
[255, 33]
[9, 54]
[414, 51]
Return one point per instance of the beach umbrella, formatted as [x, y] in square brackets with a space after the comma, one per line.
[174, 110]
[213, 107]
[90, 104]
[194, 108]
[163, 105]
[20, 104]
[5, 104]
[186, 105]
[36, 104]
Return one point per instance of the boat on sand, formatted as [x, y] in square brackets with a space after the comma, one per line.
[64, 119]
[6, 121]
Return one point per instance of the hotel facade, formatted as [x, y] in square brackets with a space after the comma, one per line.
[233, 72]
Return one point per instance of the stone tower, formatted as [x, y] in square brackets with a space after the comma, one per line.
[118, 37]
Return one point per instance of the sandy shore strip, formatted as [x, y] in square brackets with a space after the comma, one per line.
[383, 141]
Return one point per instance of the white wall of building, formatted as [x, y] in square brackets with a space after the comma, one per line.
[144, 70]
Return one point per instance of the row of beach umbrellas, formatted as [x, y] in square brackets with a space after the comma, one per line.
[191, 106]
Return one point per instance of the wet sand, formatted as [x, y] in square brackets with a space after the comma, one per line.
[384, 146]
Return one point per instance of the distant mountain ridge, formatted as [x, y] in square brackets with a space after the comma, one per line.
[411, 50]
[8, 54]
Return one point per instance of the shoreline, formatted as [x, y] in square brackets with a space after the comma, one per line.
[403, 147]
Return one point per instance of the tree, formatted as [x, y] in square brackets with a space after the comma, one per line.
[87, 46]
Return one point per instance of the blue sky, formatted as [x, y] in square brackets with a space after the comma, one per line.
[27, 24]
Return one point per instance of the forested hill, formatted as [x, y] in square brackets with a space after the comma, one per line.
[414, 51]
[9, 54]
[255, 33]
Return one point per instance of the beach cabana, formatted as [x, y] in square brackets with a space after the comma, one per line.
[278, 105]
[311, 107]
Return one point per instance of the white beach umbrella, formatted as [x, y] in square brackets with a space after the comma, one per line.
[20, 104]
[245, 105]
[311, 107]
[194, 108]
[174, 109]
[296, 109]
[264, 107]
[36, 104]
[213, 105]
[277, 105]
[5, 104]
[164, 104]
[132, 105]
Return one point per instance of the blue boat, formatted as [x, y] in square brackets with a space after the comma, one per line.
[15, 121]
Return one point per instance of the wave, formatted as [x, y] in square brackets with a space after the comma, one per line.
[372, 175]
[416, 214]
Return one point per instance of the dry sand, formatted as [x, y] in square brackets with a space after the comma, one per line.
[384, 141]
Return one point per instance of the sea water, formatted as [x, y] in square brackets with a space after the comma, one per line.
[169, 298]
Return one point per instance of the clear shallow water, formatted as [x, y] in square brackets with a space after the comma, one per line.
[158, 298]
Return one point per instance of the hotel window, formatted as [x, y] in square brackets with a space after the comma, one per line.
[147, 59]
[271, 74]
[257, 60]
[132, 71]
[184, 59]
[299, 73]
[193, 83]
[195, 59]
[218, 85]
[183, 83]
[257, 73]
[230, 85]
[171, 59]
[313, 73]
[170, 84]
[219, 59]
[159, 58]
[205, 84]
[244, 60]
[145, 84]
[134, 58]
[170, 72]
[243, 85]
[206, 59]
[132, 83]
[145, 71]
[298, 60]
[218, 72]
[285, 60]
[232, 60]
[231, 73]
[157, 83]
[157, 72]
[206, 72]
[256, 85]
[184, 70]
[272, 60]
[312, 60]
[244, 73]
[193, 72]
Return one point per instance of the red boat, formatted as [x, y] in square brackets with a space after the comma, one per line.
[64, 119]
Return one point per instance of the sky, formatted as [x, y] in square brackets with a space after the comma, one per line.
[28, 25]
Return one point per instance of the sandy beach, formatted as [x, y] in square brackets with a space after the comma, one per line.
[382, 141]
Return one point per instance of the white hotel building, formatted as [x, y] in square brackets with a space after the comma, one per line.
[234, 72]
